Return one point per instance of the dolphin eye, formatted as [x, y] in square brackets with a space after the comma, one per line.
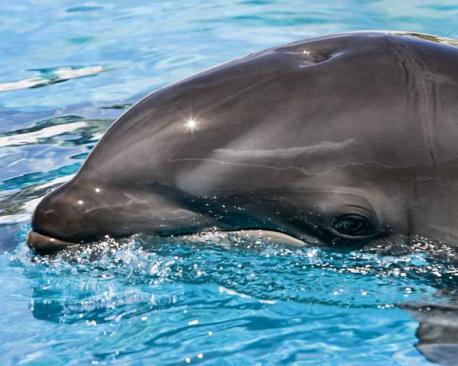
[352, 225]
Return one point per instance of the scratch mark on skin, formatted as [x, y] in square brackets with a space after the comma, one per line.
[302, 170]
[322, 147]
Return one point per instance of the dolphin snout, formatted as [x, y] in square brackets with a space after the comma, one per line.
[58, 221]
[85, 211]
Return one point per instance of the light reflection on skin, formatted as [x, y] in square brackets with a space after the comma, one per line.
[191, 124]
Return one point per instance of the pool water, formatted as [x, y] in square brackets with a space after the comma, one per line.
[67, 70]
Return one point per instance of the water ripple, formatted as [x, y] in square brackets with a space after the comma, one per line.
[51, 76]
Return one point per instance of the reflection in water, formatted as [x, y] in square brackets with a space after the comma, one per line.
[65, 140]
[51, 76]
[14, 138]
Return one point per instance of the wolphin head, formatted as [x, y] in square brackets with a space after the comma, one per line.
[342, 140]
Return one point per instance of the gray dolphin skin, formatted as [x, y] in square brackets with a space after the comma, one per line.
[340, 140]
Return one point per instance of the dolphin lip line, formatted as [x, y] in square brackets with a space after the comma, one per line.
[44, 244]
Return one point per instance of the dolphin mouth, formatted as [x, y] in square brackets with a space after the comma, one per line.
[43, 244]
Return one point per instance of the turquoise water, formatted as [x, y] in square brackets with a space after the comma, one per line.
[67, 70]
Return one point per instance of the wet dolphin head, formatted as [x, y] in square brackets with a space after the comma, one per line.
[342, 140]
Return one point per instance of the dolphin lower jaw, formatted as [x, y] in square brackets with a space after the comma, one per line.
[43, 244]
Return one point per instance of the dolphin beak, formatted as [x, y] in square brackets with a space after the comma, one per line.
[57, 221]
[47, 221]
[43, 244]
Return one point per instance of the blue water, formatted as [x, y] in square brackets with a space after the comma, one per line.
[67, 70]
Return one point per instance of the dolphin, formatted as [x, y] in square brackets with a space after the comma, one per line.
[343, 140]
